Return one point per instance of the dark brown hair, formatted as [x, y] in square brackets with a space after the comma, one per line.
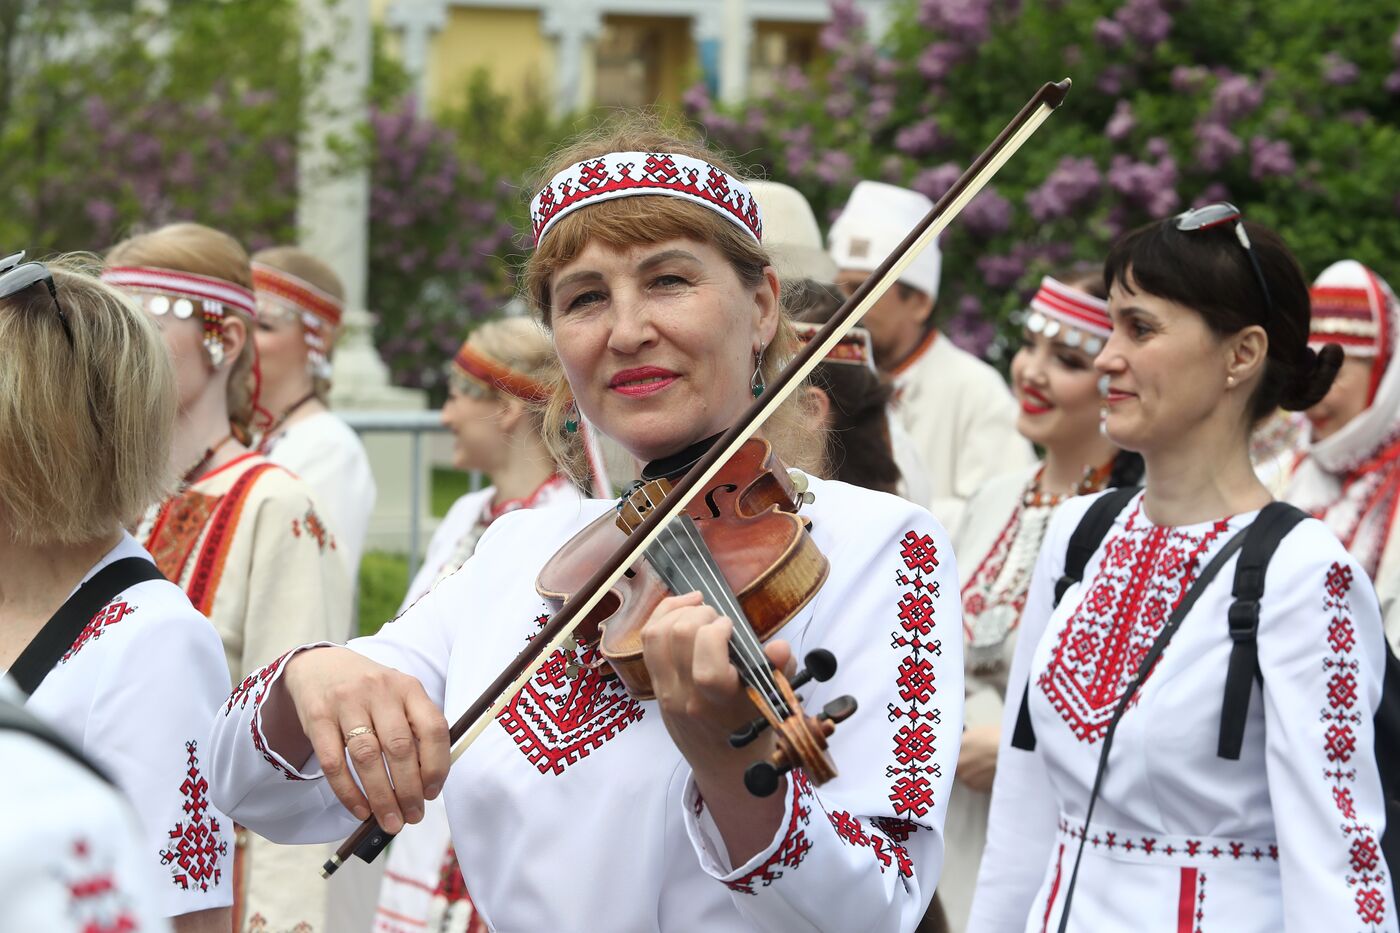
[1209, 272]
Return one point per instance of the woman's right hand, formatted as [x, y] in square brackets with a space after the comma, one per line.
[394, 736]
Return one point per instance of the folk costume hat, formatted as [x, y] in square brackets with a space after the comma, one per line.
[626, 174]
[280, 293]
[876, 219]
[791, 235]
[1076, 317]
[852, 350]
[1354, 307]
[165, 291]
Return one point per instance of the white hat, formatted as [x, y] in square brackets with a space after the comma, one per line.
[790, 233]
[876, 219]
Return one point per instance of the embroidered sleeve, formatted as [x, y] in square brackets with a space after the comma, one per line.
[1022, 826]
[865, 850]
[149, 728]
[1322, 656]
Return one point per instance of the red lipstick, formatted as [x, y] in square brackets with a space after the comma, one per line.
[642, 381]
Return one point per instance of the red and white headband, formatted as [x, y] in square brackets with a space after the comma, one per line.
[624, 174]
[1077, 318]
[183, 285]
[853, 349]
[318, 311]
[1353, 307]
[490, 373]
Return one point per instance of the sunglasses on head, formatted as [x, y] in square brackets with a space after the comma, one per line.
[16, 275]
[1219, 214]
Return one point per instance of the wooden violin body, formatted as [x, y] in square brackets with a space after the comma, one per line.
[748, 520]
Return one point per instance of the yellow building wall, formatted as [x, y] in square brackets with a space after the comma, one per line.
[506, 43]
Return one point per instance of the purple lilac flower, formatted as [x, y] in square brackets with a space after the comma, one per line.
[879, 110]
[1122, 123]
[835, 167]
[1212, 193]
[1112, 79]
[938, 60]
[1338, 71]
[1158, 148]
[1392, 82]
[846, 21]
[966, 21]
[988, 214]
[1145, 20]
[1395, 46]
[840, 106]
[696, 98]
[1215, 146]
[1236, 96]
[1188, 78]
[1149, 187]
[1109, 33]
[968, 329]
[1001, 272]
[933, 183]
[918, 139]
[1270, 157]
[1073, 183]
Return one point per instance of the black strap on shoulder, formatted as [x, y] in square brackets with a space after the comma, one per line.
[18, 719]
[1274, 523]
[1087, 536]
[1158, 646]
[59, 633]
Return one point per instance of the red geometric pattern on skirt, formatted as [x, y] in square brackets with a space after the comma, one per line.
[913, 747]
[557, 721]
[96, 903]
[110, 614]
[1154, 845]
[887, 853]
[452, 891]
[1368, 874]
[197, 846]
[794, 846]
[1146, 570]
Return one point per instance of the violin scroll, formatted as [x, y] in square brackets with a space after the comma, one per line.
[820, 666]
[761, 778]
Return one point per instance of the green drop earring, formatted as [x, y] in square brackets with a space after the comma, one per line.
[571, 419]
[756, 384]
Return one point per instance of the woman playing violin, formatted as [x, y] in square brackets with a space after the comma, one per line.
[582, 807]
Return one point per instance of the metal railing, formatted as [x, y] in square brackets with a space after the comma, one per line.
[416, 424]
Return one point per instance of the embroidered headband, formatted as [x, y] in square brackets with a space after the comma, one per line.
[624, 174]
[481, 369]
[853, 349]
[1355, 316]
[183, 284]
[1076, 317]
[318, 311]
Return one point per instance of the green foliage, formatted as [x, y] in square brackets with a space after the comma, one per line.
[383, 583]
[1290, 108]
[448, 485]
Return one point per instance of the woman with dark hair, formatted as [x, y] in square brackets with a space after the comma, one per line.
[1181, 832]
[1056, 389]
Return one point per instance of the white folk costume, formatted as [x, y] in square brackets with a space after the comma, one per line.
[136, 694]
[249, 547]
[74, 858]
[423, 885]
[1284, 839]
[321, 449]
[956, 408]
[1351, 479]
[575, 775]
[997, 545]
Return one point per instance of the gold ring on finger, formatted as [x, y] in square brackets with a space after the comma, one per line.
[359, 730]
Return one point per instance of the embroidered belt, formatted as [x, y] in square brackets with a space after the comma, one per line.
[1162, 849]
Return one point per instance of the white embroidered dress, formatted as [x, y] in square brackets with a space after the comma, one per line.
[962, 420]
[1284, 839]
[73, 857]
[574, 811]
[137, 694]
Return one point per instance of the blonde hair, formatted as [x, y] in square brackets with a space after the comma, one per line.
[201, 250]
[625, 222]
[296, 261]
[518, 343]
[85, 430]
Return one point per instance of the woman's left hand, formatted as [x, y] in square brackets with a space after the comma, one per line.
[977, 763]
[685, 645]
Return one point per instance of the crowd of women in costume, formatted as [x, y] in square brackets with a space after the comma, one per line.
[164, 433]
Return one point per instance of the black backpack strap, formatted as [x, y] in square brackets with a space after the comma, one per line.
[1272, 525]
[18, 719]
[59, 633]
[1083, 542]
[1199, 586]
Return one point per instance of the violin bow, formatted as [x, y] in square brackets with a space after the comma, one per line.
[369, 839]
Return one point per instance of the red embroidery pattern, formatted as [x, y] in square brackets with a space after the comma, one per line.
[887, 852]
[259, 679]
[457, 902]
[1146, 570]
[1168, 847]
[209, 566]
[197, 847]
[913, 746]
[557, 720]
[1367, 875]
[95, 902]
[314, 527]
[794, 846]
[110, 614]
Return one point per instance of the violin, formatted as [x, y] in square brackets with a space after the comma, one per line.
[743, 547]
[657, 513]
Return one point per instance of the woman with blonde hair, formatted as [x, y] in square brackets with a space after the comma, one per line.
[112, 655]
[650, 273]
[240, 535]
[300, 303]
[497, 385]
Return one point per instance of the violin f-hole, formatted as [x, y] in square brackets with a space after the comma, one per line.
[710, 497]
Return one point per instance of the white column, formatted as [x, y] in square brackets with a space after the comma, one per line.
[417, 22]
[570, 23]
[728, 23]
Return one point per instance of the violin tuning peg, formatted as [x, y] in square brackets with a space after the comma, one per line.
[798, 480]
[744, 736]
[571, 670]
[808, 498]
[762, 778]
[819, 665]
[570, 643]
[839, 709]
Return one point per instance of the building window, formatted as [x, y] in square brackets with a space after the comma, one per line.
[641, 60]
[778, 47]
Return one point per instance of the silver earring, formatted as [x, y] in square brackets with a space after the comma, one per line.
[756, 384]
